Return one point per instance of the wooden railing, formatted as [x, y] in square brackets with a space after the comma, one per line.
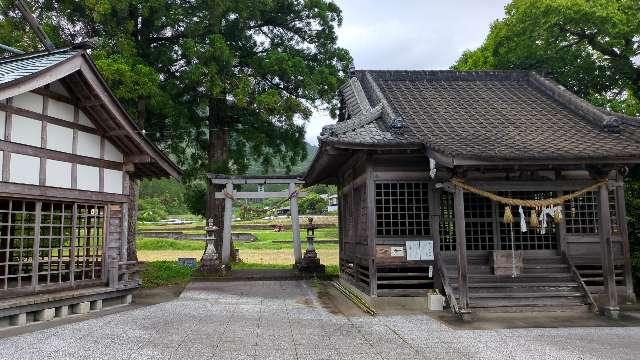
[453, 303]
[576, 274]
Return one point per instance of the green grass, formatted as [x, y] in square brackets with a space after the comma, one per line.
[266, 239]
[164, 273]
[168, 244]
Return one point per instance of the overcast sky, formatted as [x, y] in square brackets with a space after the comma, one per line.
[409, 34]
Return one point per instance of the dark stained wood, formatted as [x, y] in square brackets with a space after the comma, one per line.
[58, 155]
[621, 212]
[461, 249]
[604, 226]
[371, 229]
[45, 192]
[50, 119]
[6, 156]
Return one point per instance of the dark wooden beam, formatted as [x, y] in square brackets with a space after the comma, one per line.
[22, 149]
[87, 103]
[606, 246]
[621, 212]
[461, 249]
[52, 120]
[49, 193]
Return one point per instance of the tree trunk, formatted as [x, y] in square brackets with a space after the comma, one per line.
[217, 153]
[132, 218]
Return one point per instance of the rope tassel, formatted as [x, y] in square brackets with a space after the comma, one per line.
[508, 216]
[533, 221]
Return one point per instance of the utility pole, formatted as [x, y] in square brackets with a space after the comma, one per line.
[34, 25]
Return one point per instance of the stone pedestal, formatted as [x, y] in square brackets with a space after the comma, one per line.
[211, 262]
[310, 263]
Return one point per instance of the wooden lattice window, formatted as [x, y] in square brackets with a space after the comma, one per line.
[17, 237]
[447, 222]
[89, 242]
[479, 220]
[402, 209]
[532, 239]
[54, 263]
[582, 213]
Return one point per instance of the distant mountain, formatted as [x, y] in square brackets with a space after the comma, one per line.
[256, 169]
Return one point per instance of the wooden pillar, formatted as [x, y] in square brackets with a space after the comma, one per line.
[226, 230]
[606, 245]
[434, 210]
[36, 247]
[621, 211]
[371, 229]
[461, 248]
[295, 223]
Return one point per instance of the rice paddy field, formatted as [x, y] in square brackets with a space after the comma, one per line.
[270, 248]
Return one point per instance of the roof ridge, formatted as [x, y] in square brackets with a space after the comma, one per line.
[32, 55]
[433, 75]
[607, 121]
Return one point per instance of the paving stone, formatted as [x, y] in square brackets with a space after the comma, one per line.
[216, 320]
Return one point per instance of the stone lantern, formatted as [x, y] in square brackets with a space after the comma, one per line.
[310, 262]
[211, 262]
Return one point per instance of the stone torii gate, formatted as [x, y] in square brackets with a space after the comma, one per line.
[229, 194]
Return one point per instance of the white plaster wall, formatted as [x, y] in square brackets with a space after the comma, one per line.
[26, 130]
[113, 181]
[88, 144]
[3, 118]
[58, 174]
[24, 169]
[88, 178]
[61, 110]
[59, 138]
[29, 101]
[84, 120]
[1, 160]
[111, 152]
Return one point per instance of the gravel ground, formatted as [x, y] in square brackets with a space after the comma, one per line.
[287, 320]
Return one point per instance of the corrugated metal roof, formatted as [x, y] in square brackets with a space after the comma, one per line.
[17, 67]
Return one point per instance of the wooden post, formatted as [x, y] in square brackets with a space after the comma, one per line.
[295, 224]
[608, 273]
[226, 230]
[461, 248]
[621, 211]
[371, 228]
[36, 247]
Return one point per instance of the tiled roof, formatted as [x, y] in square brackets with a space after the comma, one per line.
[497, 115]
[21, 66]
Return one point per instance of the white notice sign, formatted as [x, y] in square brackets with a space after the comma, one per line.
[426, 250]
[420, 250]
[397, 251]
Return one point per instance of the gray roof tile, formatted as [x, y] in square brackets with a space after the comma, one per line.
[17, 67]
[498, 115]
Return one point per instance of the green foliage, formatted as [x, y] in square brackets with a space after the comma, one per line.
[588, 46]
[150, 210]
[168, 244]
[312, 204]
[632, 196]
[268, 239]
[169, 191]
[195, 197]
[164, 273]
[218, 83]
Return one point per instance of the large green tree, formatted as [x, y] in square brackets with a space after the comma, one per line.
[592, 47]
[216, 82]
